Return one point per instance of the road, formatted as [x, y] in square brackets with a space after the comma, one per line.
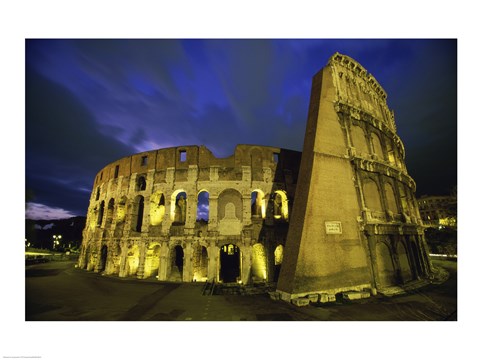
[60, 292]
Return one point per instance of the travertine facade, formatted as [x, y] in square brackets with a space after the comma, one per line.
[355, 224]
[145, 218]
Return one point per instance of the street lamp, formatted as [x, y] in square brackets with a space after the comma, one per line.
[56, 240]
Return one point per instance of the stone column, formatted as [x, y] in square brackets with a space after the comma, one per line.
[213, 213]
[141, 262]
[187, 263]
[246, 264]
[123, 259]
[247, 209]
[162, 266]
[213, 254]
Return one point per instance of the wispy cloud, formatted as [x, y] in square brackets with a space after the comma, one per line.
[37, 211]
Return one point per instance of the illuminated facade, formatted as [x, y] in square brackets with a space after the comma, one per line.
[355, 223]
[354, 226]
[181, 214]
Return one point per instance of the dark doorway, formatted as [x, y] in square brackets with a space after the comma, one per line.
[103, 258]
[179, 259]
[229, 263]
[138, 228]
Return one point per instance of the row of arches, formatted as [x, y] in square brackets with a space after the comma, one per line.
[373, 144]
[276, 203]
[397, 264]
[149, 265]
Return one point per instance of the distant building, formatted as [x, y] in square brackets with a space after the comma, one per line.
[438, 211]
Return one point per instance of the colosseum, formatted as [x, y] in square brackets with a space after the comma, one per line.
[340, 216]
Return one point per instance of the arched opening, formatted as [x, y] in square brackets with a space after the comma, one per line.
[258, 205]
[229, 263]
[203, 206]
[404, 263]
[390, 197]
[97, 196]
[103, 258]
[278, 254]
[137, 215]
[385, 267]
[377, 146]
[157, 208]
[100, 213]
[178, 211]
[176, 263]
[280, 205]
[110, 207]
[141, 183]
[152, 261]
[133, 260]
[200, 263]
[359, 141]
[372, 195]
[259, 263]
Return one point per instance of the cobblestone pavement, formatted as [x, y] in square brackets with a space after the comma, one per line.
[60, 292]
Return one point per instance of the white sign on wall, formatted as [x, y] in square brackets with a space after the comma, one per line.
[333, 227]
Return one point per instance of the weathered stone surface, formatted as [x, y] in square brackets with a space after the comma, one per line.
[355, 295]
[347, 227]
[324, 298]
[300, 301]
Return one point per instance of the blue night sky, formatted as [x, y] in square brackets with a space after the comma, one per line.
[91, 102]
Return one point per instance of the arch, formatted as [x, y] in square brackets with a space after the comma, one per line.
[377, 146]
[278, 256]
[137, 213]
[258, 207]
[280, 205]
[176, 263]
[97, 196]
[141, 183]
[100, 213]
[121, 209]
[203, 202]
[359, 140]
[233, 199]
[178, 206]
[230, 263]
[200, 263]
[157, 208]
[152, 260]
[386, 273]
[372, 195]
[259, 263]
[103, 258]
[110, 208]
[390, 197]
[405, 268]
[132, 261]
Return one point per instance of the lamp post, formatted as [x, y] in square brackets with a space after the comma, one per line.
[56, 240]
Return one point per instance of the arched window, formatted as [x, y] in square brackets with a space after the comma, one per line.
[258, 204]
[141, 183]
[359, 141]
[203, 206]
[100, 213]
[372, 195]
[137, 216]
[390, 196]
[280, 205]
[157, 208]
[178, 210]
[377, 146]
[110, 207]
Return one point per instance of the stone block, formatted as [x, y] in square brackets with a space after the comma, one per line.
[355, 295]
[300, 301]
[274, 295]
[313, 298]
[324, 298]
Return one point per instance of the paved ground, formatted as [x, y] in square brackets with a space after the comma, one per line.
[58, 291]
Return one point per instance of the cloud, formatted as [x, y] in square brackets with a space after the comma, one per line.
[37, 211]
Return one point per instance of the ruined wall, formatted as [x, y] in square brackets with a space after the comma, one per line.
[354, 203]
[144, 220]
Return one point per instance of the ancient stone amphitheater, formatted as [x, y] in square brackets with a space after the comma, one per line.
[340, 216]
[181, 214]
